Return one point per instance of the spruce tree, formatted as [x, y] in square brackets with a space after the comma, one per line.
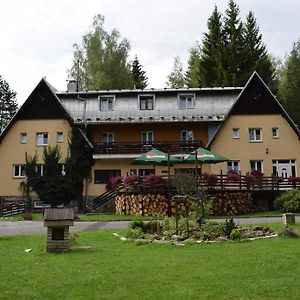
[289, 87]
[139, 77]
[233, 46]
[8, 103]
[193, 75]
[212, 52]
[254, 55]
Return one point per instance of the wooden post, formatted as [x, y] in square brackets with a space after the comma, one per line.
[240, 180]
[221, 173]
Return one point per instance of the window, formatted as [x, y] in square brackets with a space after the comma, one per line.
[275, 133]
[107, 103]
[23, 137]
[233, 165]
[235, 133]
[107, 137]
[146, 172]
[40, 169]
[147, 138]
[102, 176]
[42, 138]
[255, 134]
[19, 171]
[187, 136]
[59, 137]
[256, 165]
[186, 101]
[146, 102]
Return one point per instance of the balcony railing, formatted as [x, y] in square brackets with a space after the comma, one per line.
[173, 147]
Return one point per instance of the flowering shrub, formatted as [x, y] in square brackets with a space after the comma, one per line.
[212, 179]
[131, 180]
[249, 178]
[155, 181]
[293, 180]
[112, 183]
[257, 174]
[233, 176]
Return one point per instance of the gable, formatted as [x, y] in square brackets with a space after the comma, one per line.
[42, 104]
[256, 99]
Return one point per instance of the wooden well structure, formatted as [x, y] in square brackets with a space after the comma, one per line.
[58, 221]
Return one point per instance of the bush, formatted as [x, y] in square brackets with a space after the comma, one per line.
[289, 201]
[134, 233]
[235, 234]
[155, 181]
[146, 227]
[233, 176]
[211, 230]
[288, 232]
[228, 227]
[112, 183]
[212, 180]
[257, 174]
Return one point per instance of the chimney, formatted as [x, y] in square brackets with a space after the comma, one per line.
[72, 86]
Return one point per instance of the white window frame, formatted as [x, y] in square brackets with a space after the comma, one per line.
[253, 135]
[233, 165]
[40, 169]
[147, 133]
[107, 107]
[59, 137]
[19, 171]
[186, 101]
[235, 133]
[23, 137]
[276, 131]
[104, 138]
[256, 163]
[187, 133]
[42, 138]
[148, 96]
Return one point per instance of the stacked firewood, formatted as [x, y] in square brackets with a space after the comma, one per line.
[148, 205]
[232, 203]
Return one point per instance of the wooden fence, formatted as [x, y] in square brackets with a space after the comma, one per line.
[10, 208]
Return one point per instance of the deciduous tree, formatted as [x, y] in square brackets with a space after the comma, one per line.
[176, 79]
[100, 62]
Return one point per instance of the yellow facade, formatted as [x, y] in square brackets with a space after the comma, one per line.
[285, 147]
[12, 150]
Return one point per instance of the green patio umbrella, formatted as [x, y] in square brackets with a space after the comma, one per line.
[155, 157]
[205, 156]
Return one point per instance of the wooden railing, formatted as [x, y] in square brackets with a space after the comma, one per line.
[135, 147]
[10, 208]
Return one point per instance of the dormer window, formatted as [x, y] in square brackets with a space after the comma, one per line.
[186, 101]
[107, 103]
[146, 102]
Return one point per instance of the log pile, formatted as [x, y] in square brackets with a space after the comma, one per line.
[148, 205]
[232, 204]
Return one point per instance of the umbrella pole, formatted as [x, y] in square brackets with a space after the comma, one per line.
[196, 162]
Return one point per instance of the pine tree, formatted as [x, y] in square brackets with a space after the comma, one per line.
[255, 56]
[176, 79]
[289, 87]
[193, 75]
[139, 77]
[8, 103]
[233, 46]
[212, 52]
[101, 61]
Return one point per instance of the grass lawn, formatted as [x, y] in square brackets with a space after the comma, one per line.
[263, 269]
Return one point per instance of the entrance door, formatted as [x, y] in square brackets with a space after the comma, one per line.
[284, 171]
[284, 168]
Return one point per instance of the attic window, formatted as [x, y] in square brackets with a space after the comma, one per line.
[23, 137]
[186, 101]
[107, 103]
[42, 139]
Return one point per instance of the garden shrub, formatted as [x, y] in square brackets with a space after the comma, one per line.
[288, 201]
[147, 227]
[235, 234]
[229, 225]
[211, 230]
[155, 181]
[288, 232]
[233, 176]
[134, 233]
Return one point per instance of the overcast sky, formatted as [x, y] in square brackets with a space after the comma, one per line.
[37, 35]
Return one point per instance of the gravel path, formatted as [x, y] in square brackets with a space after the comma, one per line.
[37, 227]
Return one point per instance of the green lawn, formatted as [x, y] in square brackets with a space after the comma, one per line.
[263, 269]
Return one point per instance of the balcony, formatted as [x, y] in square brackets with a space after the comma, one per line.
[174, 147]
